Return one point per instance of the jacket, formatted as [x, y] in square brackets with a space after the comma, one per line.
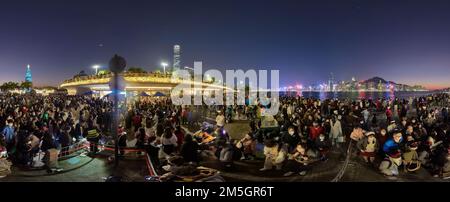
[390, 145]
[362, 144]
[8, 133]
[315, 132]
[336, 129]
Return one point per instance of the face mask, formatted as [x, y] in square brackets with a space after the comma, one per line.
[322, 138]
[291, 132]
[10, 125]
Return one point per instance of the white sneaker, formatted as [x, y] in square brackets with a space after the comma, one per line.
[288, 174]
[303, 173]
[264, 169]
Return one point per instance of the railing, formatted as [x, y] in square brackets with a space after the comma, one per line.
[69, 150]
[341, 172]
[150, 167]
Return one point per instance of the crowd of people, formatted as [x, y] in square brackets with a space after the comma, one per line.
[386, 133]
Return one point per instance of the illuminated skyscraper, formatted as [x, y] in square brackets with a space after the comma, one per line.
[28, 77]
[331, 82]
[176, 58]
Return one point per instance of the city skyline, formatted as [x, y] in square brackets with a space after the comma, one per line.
[305, 40]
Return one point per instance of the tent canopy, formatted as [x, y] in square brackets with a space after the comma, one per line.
[159, 94]
[89, 93]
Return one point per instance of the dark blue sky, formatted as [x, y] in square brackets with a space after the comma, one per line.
[404, 41]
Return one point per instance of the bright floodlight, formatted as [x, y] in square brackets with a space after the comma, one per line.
[96, 67]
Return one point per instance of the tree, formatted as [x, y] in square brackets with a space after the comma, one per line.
[8, 86]
[136, 70]
[103, 72]
[26, 85]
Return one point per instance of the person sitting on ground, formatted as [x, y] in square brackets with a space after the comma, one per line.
[247, 145]
[33, 143]
[228, 154]
[391, 127]
[179, 170]
[169, 143]
[271, 154]
[179, 132]
[222, 137]
[357, 134]
[291, 138]
[368, 146]
[176, 167]
[298, 162]
[323, 145]
[389, 165]
[189, 149]
[411, 161]
[393, 143]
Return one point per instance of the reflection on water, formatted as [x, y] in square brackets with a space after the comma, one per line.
[358, 95]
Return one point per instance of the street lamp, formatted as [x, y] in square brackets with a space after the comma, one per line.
[117, 65]
[96, 67]
[164, 66]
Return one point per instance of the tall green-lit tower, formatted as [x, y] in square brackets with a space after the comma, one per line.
[28, 77]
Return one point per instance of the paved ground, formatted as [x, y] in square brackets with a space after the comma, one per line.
[86, 169]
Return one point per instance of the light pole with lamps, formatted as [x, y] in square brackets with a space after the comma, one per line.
[117, 65]
[96, 67]
[164, 66]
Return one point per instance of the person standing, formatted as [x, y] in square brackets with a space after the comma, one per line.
[220, 120]
[9, 136]
[336, 135]
[93, 137]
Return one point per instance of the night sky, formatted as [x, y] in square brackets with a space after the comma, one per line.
[403, 41]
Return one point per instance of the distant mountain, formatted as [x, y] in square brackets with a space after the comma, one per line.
[377, 80]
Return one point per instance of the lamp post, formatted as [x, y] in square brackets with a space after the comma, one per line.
[117, 65]
[96, 67]
[164, 66]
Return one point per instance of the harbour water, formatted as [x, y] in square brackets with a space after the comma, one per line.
[360, 95]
